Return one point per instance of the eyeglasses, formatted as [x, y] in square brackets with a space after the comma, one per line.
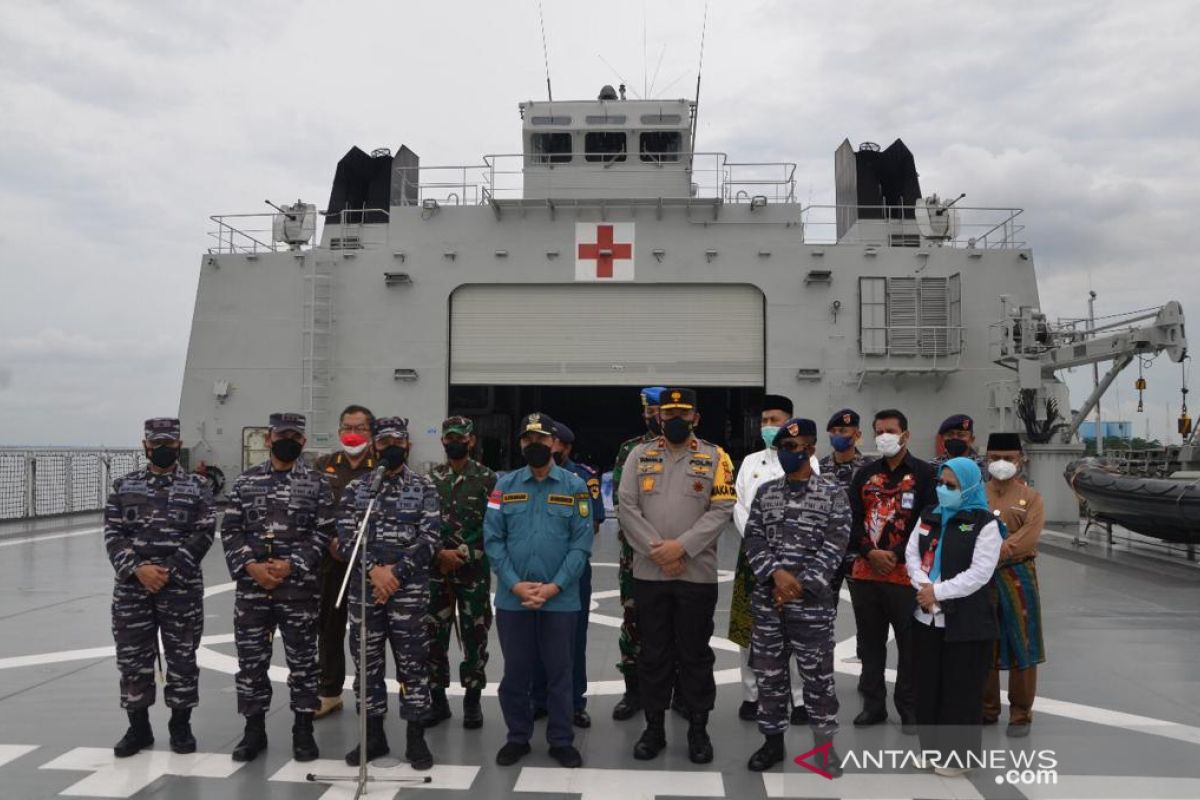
[354, 429]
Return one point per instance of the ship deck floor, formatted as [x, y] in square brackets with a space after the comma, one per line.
[1119, 698]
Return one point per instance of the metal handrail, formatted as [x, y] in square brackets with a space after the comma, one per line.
[977, 225]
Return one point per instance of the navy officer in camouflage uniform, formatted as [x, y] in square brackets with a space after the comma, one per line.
[158, 524]
[403, 533]
[279, 518]
[795, 541]
[845, 431]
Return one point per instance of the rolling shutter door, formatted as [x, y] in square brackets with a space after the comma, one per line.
[630, 335]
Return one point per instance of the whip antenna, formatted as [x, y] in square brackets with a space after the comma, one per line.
[699, 71]
[545, 52]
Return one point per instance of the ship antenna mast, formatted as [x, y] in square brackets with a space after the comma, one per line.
[699, 71]
[545, 52]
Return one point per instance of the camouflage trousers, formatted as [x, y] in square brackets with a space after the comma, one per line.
[629, 642]
[465, 594]
[255, 617]
[402, 623]
[779, 634]
[138, 618]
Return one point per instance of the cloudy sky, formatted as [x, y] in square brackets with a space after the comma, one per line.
[124, 125]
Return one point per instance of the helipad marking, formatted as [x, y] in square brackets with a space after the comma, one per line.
[11, 752]
[858, 786]
[47, 537]
[445, 776]
[627, 784]
[125, 777]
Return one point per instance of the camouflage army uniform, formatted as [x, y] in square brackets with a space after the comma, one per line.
[843, 473]
[628, 641]
[273, 514]
[165, 520]
[404, 530]
[467, 590]
[804, 529]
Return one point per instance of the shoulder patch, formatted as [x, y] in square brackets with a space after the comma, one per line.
[494, 500]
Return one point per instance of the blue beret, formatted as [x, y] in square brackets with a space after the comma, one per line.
[651, 395]
[847, 417]
[797, 426]
[959, 422]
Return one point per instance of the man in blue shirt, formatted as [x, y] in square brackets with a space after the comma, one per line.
[538, 537]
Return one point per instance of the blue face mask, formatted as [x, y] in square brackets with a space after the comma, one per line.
[841, 443]
[950, 499]
[768, 434]
[792, 460]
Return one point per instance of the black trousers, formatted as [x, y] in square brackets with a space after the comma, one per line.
[675, 620]
[878, 605]
[331, 629]
[949, 678]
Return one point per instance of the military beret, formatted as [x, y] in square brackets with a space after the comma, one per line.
[396, 427]
[287, 421]
[463, 426]
[563, 433]
[1004, 441]
[959, 422]
[161, 429]
[677, 398]
[847, 417]
[651, 395]
[777, 402]
[537, 422]
[795, 427]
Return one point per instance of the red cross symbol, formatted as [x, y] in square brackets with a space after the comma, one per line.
[605, 251]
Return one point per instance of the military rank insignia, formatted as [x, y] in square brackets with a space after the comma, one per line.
[648, 483]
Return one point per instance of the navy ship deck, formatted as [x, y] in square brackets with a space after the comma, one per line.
[1119, 699]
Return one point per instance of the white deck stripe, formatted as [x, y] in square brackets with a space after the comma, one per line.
[48, 537]
[858, 786]
[627, 784]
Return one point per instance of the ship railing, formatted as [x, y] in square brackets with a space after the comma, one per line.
[910, 349]
[47, 481]
[233, 235]
[979, 227]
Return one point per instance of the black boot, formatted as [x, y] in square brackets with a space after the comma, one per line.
[630, 703]
[439, 708]
[254, 740]
[700, 749]
[767, 756]
[137, 737]
[416, 752]
[304, 746]
[180, 727]
[472, 712]
[833, 761]
[377, 743]
[654, 738]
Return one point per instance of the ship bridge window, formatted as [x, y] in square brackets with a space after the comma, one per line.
[557, 122]
[551, 148]
[661, 146]
[605, 119]
[661, 119]
[606, 146]
[910, 316]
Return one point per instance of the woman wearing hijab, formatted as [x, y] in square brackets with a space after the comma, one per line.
[951, 557]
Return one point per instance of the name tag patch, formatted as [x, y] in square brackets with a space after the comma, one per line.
[908, 500]
[515, 497]
[558, 499]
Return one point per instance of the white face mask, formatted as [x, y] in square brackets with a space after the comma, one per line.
[888, 444]
[1002, 470]
[356, 449]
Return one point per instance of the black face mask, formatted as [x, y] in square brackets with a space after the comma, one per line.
[536, 455]
[654, 425]
[286, 450]
[393, 456]
[956, 447]
[455, 450]
[677, 430]
[163, 456]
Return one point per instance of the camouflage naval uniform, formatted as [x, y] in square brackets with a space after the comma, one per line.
[843, 473]
[166, 520]
[467, 590]
[404, 530]
[629, 641]
[273, 514]
[802, 528]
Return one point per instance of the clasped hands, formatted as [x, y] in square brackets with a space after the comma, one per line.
[787, 588]
[669, 556]
[926, 599]
[533, 594]
[270, 573]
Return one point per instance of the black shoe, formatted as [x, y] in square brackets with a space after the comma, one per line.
[799, 716]
[377, 743]
[511, 753]
[833, 761]
[767, 756]
[1017, 730]
[180, 727]
[700, 749]
[630, 703]
[472, 711]
[304, 746]
[254, 739]
[582, 719]
[866, 719]
[908, 724]
[748, 711]
[567, 756]
[416, 752]
[439, 708]
[539, 713]
[138, 736]
[653, 739]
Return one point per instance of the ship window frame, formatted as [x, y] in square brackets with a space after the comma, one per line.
[557, 122]
[661, 119]
[657, 151]
[594, 146]
[540, 155]
[907, 304]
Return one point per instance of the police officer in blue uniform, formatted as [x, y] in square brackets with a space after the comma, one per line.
[538, 537]
[561, 450]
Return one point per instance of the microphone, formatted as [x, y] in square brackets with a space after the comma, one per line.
[377, 478]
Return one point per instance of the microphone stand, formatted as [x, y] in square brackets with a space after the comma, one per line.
[362, 778]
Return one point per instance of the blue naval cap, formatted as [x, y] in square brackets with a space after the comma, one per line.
[287, 421]
[651, 395]
[395, 427]
[563, 433]
[161, 429]
[795, 427]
